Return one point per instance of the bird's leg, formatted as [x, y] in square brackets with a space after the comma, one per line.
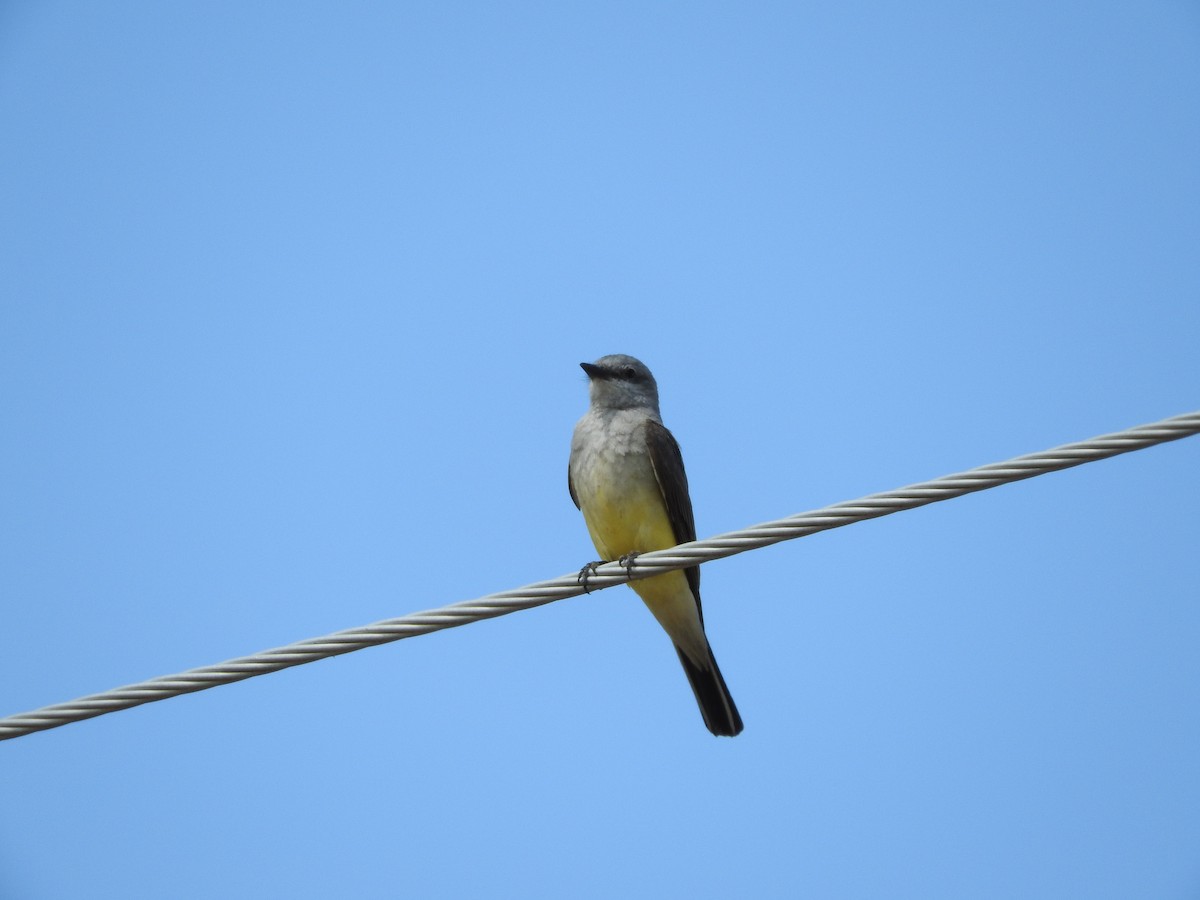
[587, 572]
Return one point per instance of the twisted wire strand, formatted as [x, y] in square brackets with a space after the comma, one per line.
[604, 576]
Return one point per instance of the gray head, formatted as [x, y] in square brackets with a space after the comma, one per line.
[621, 382]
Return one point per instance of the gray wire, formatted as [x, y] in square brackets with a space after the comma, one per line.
[606, 575]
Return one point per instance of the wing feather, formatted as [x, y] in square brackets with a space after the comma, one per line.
[571, 485]
[672, 481]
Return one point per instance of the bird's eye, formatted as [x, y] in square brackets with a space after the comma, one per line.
[628, 372]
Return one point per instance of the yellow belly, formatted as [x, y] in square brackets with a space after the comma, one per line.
[634, 520]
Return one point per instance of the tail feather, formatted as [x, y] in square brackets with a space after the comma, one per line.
[716, 706]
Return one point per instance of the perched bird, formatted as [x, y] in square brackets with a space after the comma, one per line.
[626, 476]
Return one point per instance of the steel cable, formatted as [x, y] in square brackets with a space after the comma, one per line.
[606, 575]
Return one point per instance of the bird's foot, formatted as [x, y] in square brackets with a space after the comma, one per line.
[627, 561]
[587, 572]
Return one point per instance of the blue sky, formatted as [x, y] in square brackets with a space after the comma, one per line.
[292, 301]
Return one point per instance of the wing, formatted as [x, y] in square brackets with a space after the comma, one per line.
[571, 485]
[672, 481]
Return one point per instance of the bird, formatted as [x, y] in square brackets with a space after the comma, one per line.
[626, 476]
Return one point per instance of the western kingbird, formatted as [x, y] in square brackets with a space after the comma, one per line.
[626, 476]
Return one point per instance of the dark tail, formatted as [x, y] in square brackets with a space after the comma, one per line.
[720, 715]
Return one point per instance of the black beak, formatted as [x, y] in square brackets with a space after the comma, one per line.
[593, 371]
